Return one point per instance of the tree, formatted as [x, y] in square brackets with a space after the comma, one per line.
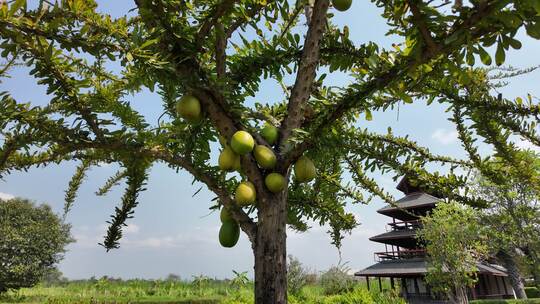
[455, 243]
[212, 55]
[513, 217]
[32, 241]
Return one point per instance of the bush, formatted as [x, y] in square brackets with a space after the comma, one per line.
[532, 292]
[297, 276]
[337, 280]
[357, 296]
[32, 241]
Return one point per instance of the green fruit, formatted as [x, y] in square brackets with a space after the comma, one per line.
[270, 134]
[225, 216]
[304, 169]
[228, 159]
[265, 157]
[237, 165]
[189, 108]
[229, 234]
[222, 141]
[242, 142]
[342, 5]
[275, 182]
[245, 194]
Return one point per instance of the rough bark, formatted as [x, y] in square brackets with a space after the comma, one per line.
[511, 266]
[306, 70]
[270, 251]
[459, 296]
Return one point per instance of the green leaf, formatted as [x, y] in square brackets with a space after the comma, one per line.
[470, 58]
[515, 44]
[536, 5]
[533, 29]
[484, 56]
[499, 55]
[369, 116]
[16, 6]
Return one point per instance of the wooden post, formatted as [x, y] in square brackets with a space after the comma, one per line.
[367, 281]
[416, 288]
[498, 285]
[504, 284]
[380, 285]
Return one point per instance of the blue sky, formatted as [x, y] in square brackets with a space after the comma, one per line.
[173, 232]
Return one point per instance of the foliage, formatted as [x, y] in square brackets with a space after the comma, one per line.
[297, 275]
[455, 243]
[532, 292]
[220, 51]
[514, 211]
[240, 280]
[32, 241]
[337, 280]
[178, 292]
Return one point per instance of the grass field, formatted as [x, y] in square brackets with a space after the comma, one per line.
[199, 291]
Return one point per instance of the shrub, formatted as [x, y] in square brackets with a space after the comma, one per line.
[388, 297]
[532, 292]
[296, 276]
[32, 241]
[357, 296]
[337, 280]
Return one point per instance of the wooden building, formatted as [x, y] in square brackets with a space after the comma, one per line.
[404, 259]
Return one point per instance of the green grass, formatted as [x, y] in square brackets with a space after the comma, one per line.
[179, 292]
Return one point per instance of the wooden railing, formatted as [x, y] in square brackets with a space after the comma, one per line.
[405, 225]
[401, 254]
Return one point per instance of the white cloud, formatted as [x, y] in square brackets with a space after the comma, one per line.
[444, 136]
[527, 145]
[87, 237]
[131, 229]
[6, 196]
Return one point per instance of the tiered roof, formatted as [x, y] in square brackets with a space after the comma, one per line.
[410, 259]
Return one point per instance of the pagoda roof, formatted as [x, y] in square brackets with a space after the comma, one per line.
[415, 203]
[402, 238]
[417, 267]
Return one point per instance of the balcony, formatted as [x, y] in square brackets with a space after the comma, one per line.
[400, 254]
[404, 225]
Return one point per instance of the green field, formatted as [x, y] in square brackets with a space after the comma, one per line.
[199, 291]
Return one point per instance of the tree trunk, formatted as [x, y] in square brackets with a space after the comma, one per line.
[270, 251]
[511, 266]
[534, 265]
[458, 296]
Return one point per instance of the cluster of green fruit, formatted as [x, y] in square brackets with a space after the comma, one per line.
[242, 143]
[342, 5]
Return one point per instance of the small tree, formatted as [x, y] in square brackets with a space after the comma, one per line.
[513, 217]
[32, 241]
[454, 244]
[297, 275]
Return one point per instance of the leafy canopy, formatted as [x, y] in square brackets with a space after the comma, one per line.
[32, 240]
[455, 243]
[220, 51]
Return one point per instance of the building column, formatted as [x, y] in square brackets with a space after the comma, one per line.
[392, 283]
[367, 281]
[380, 285]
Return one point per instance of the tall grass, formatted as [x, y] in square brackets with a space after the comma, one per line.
[199, 291]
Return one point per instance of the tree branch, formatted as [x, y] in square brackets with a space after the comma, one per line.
[306, 71]
[419, 22]
[354, 97]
